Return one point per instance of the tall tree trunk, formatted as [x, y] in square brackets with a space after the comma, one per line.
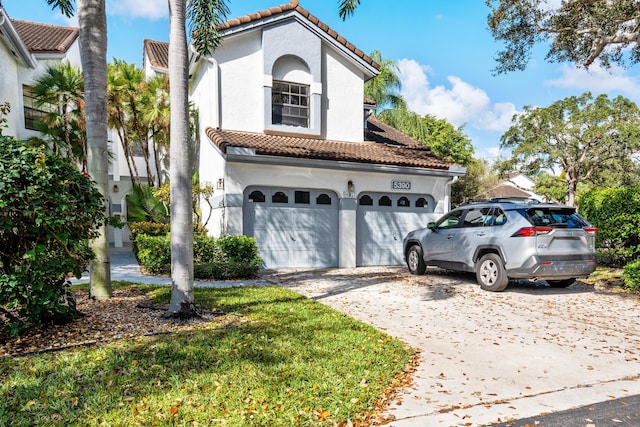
[93, 54]
[180, 169]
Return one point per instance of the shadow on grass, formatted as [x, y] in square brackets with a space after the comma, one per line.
[294, 362]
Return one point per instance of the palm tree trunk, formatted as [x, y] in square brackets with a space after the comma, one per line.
[93, 53]
[180, 169]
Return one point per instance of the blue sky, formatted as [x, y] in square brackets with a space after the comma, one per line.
[443, 48]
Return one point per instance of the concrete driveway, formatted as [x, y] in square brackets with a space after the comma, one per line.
[490, 357]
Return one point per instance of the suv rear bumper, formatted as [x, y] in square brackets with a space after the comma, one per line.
[554, 270]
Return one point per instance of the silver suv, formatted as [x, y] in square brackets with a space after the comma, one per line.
[505, 238]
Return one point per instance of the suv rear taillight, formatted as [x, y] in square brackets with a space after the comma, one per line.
[532, 231]
[591, 230]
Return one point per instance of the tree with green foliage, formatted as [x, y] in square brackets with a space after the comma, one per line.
[92, 20]
[48, 211]
[579, 135]
[577, 31]
[61, 87]
[439, 135]
[616, 213]
[551, 186]
[385, 87]
[129, 98]
[480, 178]
[205, 16]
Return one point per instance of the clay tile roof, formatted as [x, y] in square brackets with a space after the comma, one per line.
[45, 38]
[293, 5]
[158, 53]
[388, 147]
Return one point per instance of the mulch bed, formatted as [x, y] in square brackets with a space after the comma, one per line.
[128, 313]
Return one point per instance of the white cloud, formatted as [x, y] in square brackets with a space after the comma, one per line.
[598, 80]
[460, 103]
[146, 9]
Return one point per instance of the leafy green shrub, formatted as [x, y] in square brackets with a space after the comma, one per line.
[616, 213]
[214, 258]
[48, 211]
[224, 270]
[154, 253]
[631, 276]
[144, 206]
[156, 229]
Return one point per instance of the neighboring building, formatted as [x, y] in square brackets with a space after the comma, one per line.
[295, 155]
[26, 50]
[517, 185]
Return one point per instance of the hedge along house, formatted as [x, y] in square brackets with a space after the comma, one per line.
[296, 157]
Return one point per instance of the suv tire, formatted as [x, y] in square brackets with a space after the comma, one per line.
[490, 273]
[415, 261]
[561, 283]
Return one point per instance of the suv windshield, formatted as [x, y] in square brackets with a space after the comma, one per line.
[552, 217]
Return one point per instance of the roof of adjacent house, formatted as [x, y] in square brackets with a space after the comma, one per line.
[45, 38]
[159, 51]
[385, 146]
[506, 190]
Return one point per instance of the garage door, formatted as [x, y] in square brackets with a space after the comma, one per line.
[382, 222]
[293, 227]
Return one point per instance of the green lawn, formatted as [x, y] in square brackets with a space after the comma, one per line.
[295, 362]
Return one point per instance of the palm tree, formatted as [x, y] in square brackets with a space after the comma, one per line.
[347, 7]
[384, 87]
[61, 87]
[117, 119]
[157, 114]
[92, 21]
[93, 54]
[205, 16]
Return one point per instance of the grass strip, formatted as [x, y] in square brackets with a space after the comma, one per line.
[295, 362]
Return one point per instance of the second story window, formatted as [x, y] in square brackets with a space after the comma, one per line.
[290, 104]
[33, 112]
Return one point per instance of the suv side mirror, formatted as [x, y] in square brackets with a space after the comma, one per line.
[431, 226]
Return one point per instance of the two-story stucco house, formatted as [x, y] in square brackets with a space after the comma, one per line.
[297, 158]
[26, 50]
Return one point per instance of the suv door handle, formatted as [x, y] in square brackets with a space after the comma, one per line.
[449, 236]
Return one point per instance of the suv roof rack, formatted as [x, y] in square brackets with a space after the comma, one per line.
[523, 200]
[527, 200]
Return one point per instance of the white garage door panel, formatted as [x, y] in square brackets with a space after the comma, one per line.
[380, 230]
[294, 235]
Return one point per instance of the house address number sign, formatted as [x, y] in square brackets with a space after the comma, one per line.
[401, 185]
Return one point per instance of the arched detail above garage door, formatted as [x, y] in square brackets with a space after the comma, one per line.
[293, 227]
[382, 221]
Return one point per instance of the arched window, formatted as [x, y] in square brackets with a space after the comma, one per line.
[366, 201]
[422, 203]
[384, 201]
[256, 197]
[323, 199]
[404, 202]
[279, 197]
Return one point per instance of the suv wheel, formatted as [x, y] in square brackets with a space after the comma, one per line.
[415, 262]
[490, 273]
[560, 283]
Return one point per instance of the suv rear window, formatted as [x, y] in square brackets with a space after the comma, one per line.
[551, 217]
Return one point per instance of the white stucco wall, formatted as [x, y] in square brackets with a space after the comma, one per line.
[9, 90]
[241, 81]
[233, 89]
[343, 98]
